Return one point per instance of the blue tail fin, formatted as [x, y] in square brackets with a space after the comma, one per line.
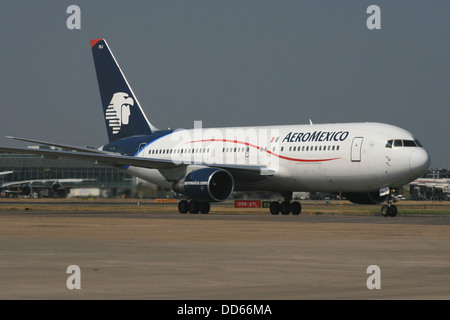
[123, 114]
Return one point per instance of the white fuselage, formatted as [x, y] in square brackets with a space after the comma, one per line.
[317, 157]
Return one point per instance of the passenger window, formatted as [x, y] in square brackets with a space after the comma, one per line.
[398, 143]
[389, 144]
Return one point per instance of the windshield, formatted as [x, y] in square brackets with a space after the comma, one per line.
[403, 143]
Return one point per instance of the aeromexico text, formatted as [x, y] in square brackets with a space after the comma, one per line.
[316, 136]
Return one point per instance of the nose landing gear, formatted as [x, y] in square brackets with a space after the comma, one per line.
[389, 209]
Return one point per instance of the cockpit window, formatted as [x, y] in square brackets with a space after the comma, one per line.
[418, 143]
[403, 143]
[389, 144]
[409, 143]
[398, 143]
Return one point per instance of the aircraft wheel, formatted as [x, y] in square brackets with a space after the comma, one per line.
[183, 206]
[296, 208]
[274, 207]
[204, 207]
[385, 211]
[194, 207]
[393, 212]
[285, 208]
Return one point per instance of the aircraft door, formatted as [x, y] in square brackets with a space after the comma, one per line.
[143, 144]
[356, 149]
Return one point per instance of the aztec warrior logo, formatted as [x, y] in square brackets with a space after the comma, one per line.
[118, 111]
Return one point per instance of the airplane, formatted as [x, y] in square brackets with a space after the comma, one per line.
[364, 162]
[58, 187]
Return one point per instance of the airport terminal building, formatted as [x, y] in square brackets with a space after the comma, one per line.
[434, 185]
[36, 173]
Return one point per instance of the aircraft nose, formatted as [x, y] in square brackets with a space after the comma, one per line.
[419, 161]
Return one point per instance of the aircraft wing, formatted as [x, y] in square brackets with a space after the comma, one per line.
[120, 161]
[42, 181]
[59, 145]
[114, 160]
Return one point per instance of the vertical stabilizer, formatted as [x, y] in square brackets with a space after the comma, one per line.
[124, 116]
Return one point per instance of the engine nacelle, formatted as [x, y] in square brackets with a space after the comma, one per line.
[25, 189]
[56, 187]
[207, 184]
[365, 197]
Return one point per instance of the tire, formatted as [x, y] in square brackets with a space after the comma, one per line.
[274, 207]
[204, 207]
[393, 210]
[285, 208]
[385, 211]
[183, 206]
[296, 208]
[194, 207]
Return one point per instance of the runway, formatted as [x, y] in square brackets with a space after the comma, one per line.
[129, 254]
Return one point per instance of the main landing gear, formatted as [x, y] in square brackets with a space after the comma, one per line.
[286, 207]
[389, 209]
[193, 206]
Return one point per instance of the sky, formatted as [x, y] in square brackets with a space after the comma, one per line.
[228, 63]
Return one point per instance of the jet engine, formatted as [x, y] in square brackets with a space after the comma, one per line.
[56, 187]
[365, 197]
[59, 190]
[207, 184]
[25, 189]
